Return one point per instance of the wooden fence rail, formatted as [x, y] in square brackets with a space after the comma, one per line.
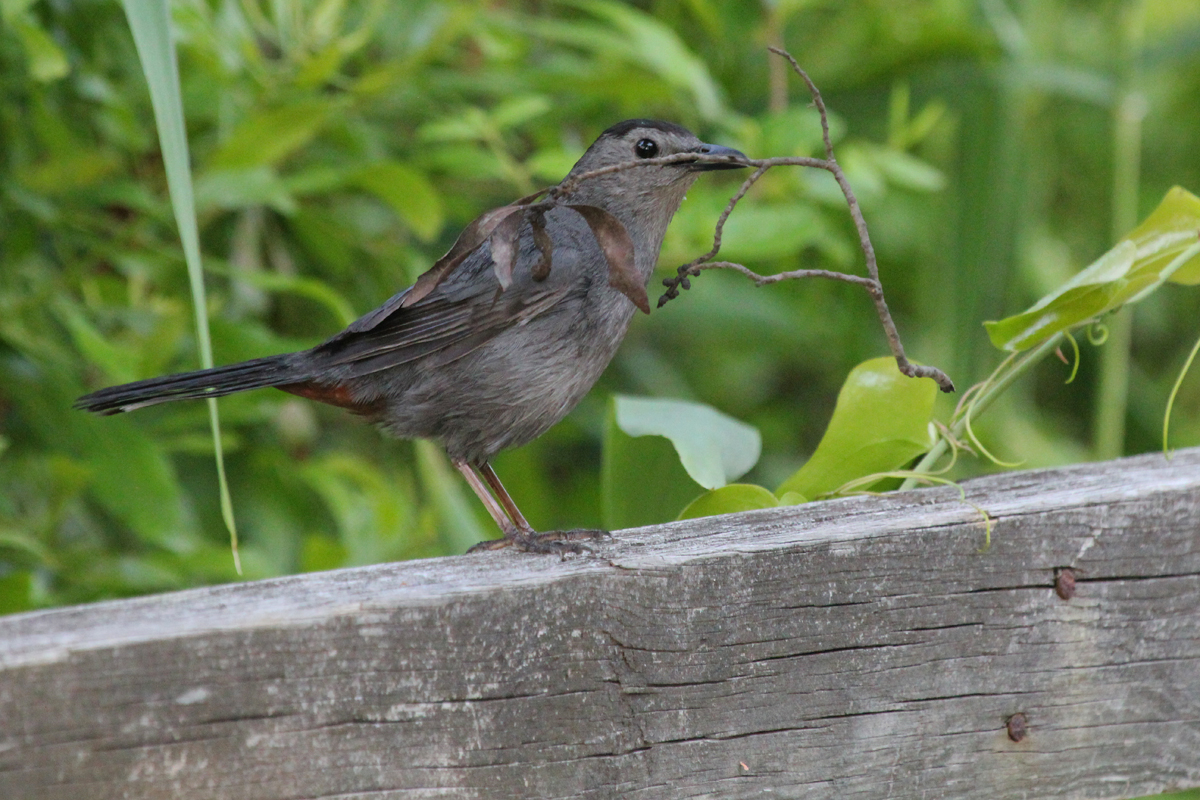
[858, 648]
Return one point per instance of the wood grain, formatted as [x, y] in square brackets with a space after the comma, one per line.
[858, 648]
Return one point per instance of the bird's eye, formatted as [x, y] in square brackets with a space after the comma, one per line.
[646, 148]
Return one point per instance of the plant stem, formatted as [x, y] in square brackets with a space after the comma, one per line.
[978, 406]
[1112, 394]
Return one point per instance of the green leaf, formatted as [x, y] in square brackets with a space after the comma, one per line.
[267, 137]
[16, 592]
[26, 545]
[409, 193]
[660, 49]
[1167, 232]
[311, 288]
[229, 189]
[713, 447]
[371, 516]
[67, 172]
[47, 61]
[470, 161]
[761, 232]
[519, 110]
[471, 124]
[729, 500]
[795, 131]
[908, 171]
[320, 67]
[321, 553]
[128, 474]
[657, 451]
[881, 423]
[10, 10]
[1091, 292]
[552, 165]
[641, 479]
[1166, 246]
[116, 361]
[316, 180]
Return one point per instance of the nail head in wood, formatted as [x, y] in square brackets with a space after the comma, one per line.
[1017, 726]
[1064, 582]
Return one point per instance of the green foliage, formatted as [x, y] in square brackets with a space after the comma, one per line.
[882, 422]
[729, 500]
[1165, 247]
[713, 448]
[338, 148]
[645, 480]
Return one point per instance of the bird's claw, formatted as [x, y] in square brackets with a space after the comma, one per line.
[549, 543]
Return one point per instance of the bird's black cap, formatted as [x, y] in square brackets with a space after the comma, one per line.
[622, 128]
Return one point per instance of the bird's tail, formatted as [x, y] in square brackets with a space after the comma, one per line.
[217, 382]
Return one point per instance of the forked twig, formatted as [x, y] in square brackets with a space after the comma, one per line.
[871, 283]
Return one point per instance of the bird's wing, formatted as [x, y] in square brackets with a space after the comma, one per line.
[468, 308]
[442, 327]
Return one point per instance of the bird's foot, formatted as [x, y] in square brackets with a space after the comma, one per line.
[550, 543]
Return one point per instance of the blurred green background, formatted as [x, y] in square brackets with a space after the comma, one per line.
[338, 147]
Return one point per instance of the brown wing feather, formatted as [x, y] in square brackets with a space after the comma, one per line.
[452, 329]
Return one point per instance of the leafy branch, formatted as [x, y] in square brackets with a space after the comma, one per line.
[1164, 248]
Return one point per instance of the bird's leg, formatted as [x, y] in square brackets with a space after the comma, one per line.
[502, 521]
[510, 506]
[551, 541]
[517, 530]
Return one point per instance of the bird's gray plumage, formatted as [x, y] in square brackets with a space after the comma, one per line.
[476, 367]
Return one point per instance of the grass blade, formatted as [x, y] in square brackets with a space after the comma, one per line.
[150, 22]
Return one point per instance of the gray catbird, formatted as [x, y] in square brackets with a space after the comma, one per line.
[489, 358]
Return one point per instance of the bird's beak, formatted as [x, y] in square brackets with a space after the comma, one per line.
[717, 150]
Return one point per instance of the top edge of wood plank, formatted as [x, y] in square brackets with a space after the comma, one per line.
[51, 635]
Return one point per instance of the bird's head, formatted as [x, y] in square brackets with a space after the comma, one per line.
[639, 139]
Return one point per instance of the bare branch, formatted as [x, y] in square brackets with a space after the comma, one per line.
[816, 96]
[796, 274]
[690, 268]
[871, 283]
[571, 182]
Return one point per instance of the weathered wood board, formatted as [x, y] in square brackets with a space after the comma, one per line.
[859, 648]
